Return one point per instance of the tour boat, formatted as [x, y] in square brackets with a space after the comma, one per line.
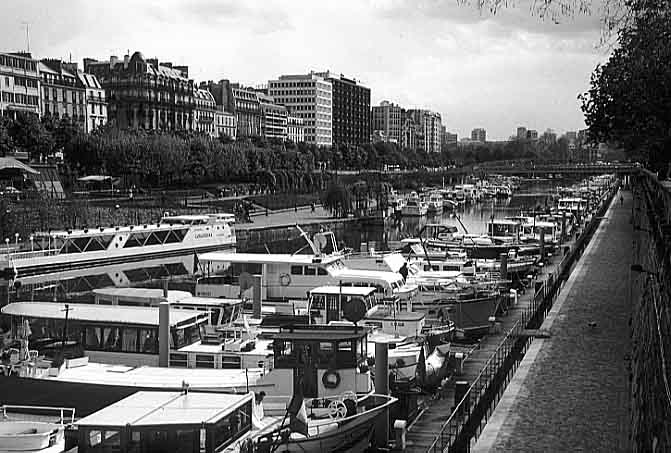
[89, 247]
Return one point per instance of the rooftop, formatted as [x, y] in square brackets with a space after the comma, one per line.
[268, 258]
[361, 291]
[114, 314]
[166, 408]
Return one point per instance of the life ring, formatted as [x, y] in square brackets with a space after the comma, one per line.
[285, 279]
[331, 379]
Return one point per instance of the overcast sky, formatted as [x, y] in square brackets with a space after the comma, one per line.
[476, 69]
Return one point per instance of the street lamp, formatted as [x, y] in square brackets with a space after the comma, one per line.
[31, 242]
[16, 238]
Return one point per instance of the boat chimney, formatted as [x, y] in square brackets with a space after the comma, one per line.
[382, 388]
[164, 334]
[504, 266]
[256, 297]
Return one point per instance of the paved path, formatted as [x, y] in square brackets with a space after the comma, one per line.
[571, 391]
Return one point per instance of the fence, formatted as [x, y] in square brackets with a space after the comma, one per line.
[479, 401]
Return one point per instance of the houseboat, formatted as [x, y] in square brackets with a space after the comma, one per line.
[414, 206]
[434, 203]
[89, 247]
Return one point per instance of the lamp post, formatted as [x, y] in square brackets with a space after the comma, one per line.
[31, 242]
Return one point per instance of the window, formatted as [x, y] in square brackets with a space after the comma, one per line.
[296, 270]
[204, 361]
[178, 360]
[310, 270]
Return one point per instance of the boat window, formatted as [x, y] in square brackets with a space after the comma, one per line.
[94, 438]
[149, 341]
[345, 356]
[204, 361]
[111, 339]
[296, 270]
[232, 427]
[215, 316]
[129, 340]
[321, 271]
[310, 270]
[185, 336]
[325, 354]
[317, 302]
[93, 338]
[231, 362]
[178, 360]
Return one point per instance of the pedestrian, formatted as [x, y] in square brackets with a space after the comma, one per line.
[312, 207]
[621, 200]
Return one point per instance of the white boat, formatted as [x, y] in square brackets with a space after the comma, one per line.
[435, 203]
[414, 207]
[215, 423]
[89, 247]
[286, 278]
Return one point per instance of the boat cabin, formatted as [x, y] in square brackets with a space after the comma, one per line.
[327, 360]
[437, 232]
[103, 333]
[572, 204]
[188, 422]
[503, 229]
[337, 303]
[221, 312]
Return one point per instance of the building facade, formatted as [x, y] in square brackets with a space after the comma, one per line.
[351, 111]
[143, 93]
[273, 118]
[532, 134]
[204, 112]
[225, 123]
[242, 102]
[479, 135]
[308, 96]
[429, 126]
[96, 102]
[387, 121]
[63, 96]
[19, 84]
[521, 133]
[295, 128]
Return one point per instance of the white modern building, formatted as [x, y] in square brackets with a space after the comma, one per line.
[310, 97]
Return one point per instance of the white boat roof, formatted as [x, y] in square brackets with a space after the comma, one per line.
[268, 258]
[365, 274]
[361, 291]
[113, 314]
[148, 377]
[504, 222]
[141, 293]
[166, 408]
[572, 200]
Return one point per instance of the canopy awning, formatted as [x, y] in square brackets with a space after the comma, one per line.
[9, 163]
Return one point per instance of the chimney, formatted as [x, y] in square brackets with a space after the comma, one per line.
[126, 59]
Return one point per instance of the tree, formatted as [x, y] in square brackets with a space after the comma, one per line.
[29, 135]
[337, 199]
[6, 142]
[629, 101]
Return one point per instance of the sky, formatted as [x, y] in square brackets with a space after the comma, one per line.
[476, 69]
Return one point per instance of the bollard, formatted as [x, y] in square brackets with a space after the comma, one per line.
[399, 431]
[504, 266]
[382, 388]
[542, 245]
[460, 391]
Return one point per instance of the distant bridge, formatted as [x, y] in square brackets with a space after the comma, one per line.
[557, 169]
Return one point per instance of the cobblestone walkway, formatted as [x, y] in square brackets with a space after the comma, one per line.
[571, 391]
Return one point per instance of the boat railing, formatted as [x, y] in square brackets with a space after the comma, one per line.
[62, 412]
[33, 254]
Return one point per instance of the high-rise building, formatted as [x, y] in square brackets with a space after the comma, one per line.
[521, 133]
[143, 93]
[549, 137]
[308, 96]
[241, 101]
[532, 134]
[19, 84]
[479, 135]
[451, 140]
[429, 127]
[63, 96]
[351, 110]
[225, 123]
[387, 121]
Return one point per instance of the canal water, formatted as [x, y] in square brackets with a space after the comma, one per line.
[78, 285]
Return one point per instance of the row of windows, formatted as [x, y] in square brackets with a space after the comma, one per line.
[18, 98]
[17, 62]
[24, 82]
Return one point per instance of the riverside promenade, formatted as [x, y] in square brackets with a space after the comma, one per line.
[571, 390]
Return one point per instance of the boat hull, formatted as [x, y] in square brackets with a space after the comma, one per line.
[469, 316]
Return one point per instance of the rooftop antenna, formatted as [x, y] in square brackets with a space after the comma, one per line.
[27, 24]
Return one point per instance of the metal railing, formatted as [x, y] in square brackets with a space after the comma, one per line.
[475, 407]
[36, 410]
